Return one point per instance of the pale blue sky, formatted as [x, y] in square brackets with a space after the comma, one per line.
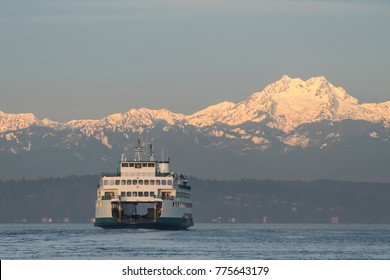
[72, 59]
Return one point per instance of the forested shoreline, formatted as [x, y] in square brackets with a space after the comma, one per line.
[72, 199]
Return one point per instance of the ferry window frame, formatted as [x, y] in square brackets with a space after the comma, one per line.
[138, 165]
[123, 194]
[106, 183]
[158, 182]
[144, 164]
[131, 164]
[146, 194]
[140, 182]
[123, 182]
[146, 182]
[150, 164]
[135, 194]
[169, 182]
[112, 182]
[151, 194]
[151, 182]
[135, 182]
[140, 194]
[164, 182]
[128, 194]
[117, 182]
[125, 164]
[128, 182]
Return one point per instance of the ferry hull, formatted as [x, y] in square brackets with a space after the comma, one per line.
[161, 225]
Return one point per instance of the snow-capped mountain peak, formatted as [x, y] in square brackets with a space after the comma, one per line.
[211, 114]
[143, 116]
[283, 105]
[16, 121]
[133, 120]
[290, 102]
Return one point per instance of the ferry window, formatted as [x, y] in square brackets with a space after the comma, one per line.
[140, 182]
[170, 182]
[158, 182]
[129, 182]
[117, 182]
[123, 194]
[152, 194]
[123, 182]
[146, 193]
[146, 182]
[163, 182]
[128, 193]
[150, 164]
[131, 164]
[152, 182]
[125, 164]
[134, 193]
[138, 165]
[140, 193]
[144, 164]
[112, 182]
[134, 182]
[105, 182]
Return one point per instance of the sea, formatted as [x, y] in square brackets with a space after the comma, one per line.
[68, 241]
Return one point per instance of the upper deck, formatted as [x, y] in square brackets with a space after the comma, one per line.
[144, 168]
[144, 171]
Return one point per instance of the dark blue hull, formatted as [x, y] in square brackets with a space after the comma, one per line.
[183, 224]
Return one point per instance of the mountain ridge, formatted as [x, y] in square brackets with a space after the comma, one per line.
[285, 104]
[313, 123]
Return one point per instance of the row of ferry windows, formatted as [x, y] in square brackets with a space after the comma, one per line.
[182, 204]
[135, 194]
[138, 182]
[138, 164]
[183, 195]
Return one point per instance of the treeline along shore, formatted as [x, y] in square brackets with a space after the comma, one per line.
[72, 199]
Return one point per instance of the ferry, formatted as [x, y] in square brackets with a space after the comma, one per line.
[144, 193]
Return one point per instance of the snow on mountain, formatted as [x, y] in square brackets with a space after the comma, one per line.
[142, 116]
[15, 121]
[377, 112]
[210, 115]
[131, 120]
[288, 103]
[283, 105]
[11, 122]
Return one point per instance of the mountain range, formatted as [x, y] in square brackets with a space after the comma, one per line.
[292, 129]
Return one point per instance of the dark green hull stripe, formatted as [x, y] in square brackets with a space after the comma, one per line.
[161, 223]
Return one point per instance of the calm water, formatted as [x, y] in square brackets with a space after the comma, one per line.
[203, 241]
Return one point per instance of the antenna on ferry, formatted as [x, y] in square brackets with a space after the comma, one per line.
[162, 155]
[151, 153]
[138, 151]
